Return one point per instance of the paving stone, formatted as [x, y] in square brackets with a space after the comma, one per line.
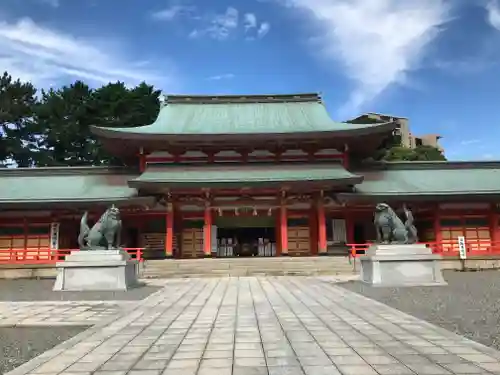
[463, 368]
[480, 358]
[347, 360]
[250, 362]
[116, 365]
[179, 371]
[151, 365]
[183, 363]
[218, 354]
[250, 370]
[282, 361]
[427, 369]
[187, 355]
[356, 370]
[216, 362]
[393, 369]
[315, 361]
[321, 370]
[286, 371]
[445, 358]
[248, 353]
[493, 367]
[378, 359]
[215, 371]
[212, 346]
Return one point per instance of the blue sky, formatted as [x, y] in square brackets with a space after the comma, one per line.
[433, 61]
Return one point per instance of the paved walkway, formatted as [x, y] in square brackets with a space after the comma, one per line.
[254, 326]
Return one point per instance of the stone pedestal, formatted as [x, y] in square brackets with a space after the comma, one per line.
[401, 265]
[96, 270]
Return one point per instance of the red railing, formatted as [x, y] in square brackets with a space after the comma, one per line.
[445, 248]
[48, 256]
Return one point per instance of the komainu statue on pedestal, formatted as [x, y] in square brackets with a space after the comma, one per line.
[105, 234]
[391, 229]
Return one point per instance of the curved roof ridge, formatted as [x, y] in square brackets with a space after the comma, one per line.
[241, 118]
[242, 98]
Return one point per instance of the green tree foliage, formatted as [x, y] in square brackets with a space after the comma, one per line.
[17, 102]
[419, 153]
[64, 116]
[62, 120]
[391, 150]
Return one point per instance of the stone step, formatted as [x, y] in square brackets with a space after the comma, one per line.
[310, 266]
[240, 273]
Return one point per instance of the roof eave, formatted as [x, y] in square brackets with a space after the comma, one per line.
[160, 183]
[119, 202]
[125, 134]
[418, 196]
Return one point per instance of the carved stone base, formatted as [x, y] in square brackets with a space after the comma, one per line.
[401, 265]
[96, 270]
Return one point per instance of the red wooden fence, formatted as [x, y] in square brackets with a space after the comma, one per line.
[447, 248]
[49, 256]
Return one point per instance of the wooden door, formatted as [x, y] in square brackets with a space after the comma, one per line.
[299, 241]
[192, 243]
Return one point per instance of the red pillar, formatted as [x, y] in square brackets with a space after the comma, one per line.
[322, 246]
[277, 216]
[142, 162]
[283, 230]
[207, 231]
[493, 219]
[438, 235]
[313, 227]
[169, 240]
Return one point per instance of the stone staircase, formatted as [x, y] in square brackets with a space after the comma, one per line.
[223, 267]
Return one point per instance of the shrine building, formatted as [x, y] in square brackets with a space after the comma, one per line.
[212, 172]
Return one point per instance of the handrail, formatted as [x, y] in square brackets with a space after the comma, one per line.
[51, 256]
[445, 248]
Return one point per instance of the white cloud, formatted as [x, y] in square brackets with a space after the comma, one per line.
[218, 26]
[469, 142]
[263, 29]
[45, 56]
[250, 21]
[493, 14]
[168, 14]
[252, 27]
[221, 76]
[378, 42]
[222, 25]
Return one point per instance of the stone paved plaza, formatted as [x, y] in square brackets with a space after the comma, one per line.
[254, 326]
[59, 313]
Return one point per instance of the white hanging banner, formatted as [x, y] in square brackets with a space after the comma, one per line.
[213, 236]
[339, 231]
[54, 236]
[461, 247]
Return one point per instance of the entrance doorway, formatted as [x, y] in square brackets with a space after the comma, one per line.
[246, 236]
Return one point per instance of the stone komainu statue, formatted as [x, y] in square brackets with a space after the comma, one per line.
[390, 228]
[105, 234]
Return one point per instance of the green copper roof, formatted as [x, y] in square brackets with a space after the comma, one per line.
[60, 185]
[430, 179]
[239, 115]
[250, 174]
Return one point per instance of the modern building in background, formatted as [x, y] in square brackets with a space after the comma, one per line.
[403, 130]
[215, 171]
